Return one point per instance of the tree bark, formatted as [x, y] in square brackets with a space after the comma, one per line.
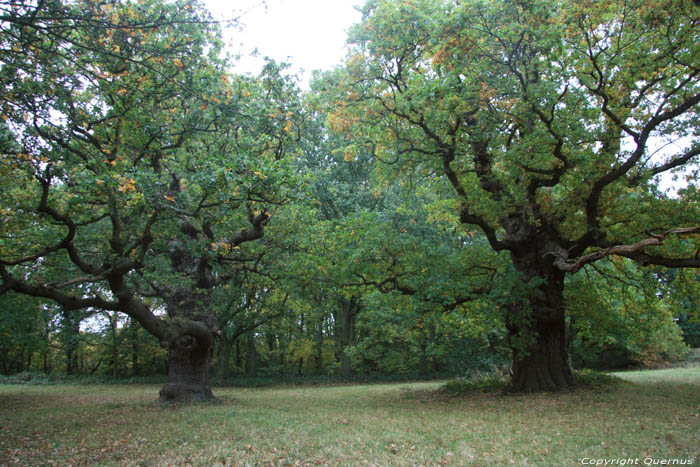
[538, 336]
[543, 366]
[344, 321]
[319, 347]
[251, 364]
[191, 333]
[115, 343]
[134, 335]
[224, 356]
[189, 358]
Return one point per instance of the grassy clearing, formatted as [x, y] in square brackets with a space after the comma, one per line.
[656, 415]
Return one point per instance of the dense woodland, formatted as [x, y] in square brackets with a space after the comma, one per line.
[486, 185]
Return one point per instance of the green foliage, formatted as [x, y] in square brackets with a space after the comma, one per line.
[23, 323]
[417, 203]
[682, 288]
[622, 320]
[498, 382]
[139, 168]
[691, 330]
[477, 383]
[25, 377]
[535, 124]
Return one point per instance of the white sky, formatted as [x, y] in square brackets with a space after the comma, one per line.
[309, 34]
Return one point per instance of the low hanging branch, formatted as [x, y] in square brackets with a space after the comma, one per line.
[392, 284]
[633, 251]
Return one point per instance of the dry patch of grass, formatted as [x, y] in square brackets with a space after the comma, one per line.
[657, 416]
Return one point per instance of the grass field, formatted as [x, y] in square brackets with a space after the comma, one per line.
[654, 417]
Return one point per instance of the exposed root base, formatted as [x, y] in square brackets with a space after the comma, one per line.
[171, 392]
[532, 380]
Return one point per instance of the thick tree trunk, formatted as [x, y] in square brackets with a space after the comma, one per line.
[190, 341]
[543, 366]
[189, 358]
[538, 337]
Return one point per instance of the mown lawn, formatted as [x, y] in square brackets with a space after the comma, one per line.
[654, 417]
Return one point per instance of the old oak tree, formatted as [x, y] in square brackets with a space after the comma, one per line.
[548, 126]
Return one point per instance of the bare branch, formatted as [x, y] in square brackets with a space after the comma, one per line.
[634, 252]
[672, 164]
[68, 302]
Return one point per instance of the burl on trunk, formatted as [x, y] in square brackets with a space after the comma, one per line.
[189, 360]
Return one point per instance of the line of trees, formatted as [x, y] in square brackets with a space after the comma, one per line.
[623, 321]
[479, 181]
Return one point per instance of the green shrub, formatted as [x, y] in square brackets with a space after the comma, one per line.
[493, 382]
[691, 330]
[25, 377]
[591, 379]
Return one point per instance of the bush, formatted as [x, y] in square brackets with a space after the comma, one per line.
[491, 382]
[591, 379]
[691, 330]
[25, 377]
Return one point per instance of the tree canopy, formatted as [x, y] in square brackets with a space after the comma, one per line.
[139, 166]
[551, 122]
[466, 179]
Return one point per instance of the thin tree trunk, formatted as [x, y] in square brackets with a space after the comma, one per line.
[134, 348]
[239, 360]
[115, 344]
[224, 357]
[251, 357]
[69, 360]
[423, 362]
[345, 316]
[319, 348]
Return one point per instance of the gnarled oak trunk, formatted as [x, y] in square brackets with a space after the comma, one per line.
[538, 340]
[188, 370]
[543, 365]
[192, 331]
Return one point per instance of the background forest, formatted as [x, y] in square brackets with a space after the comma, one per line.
[364, 228]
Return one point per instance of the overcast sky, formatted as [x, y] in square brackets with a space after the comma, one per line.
[310, 34]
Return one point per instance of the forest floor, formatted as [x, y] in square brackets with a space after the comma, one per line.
[653, 418]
